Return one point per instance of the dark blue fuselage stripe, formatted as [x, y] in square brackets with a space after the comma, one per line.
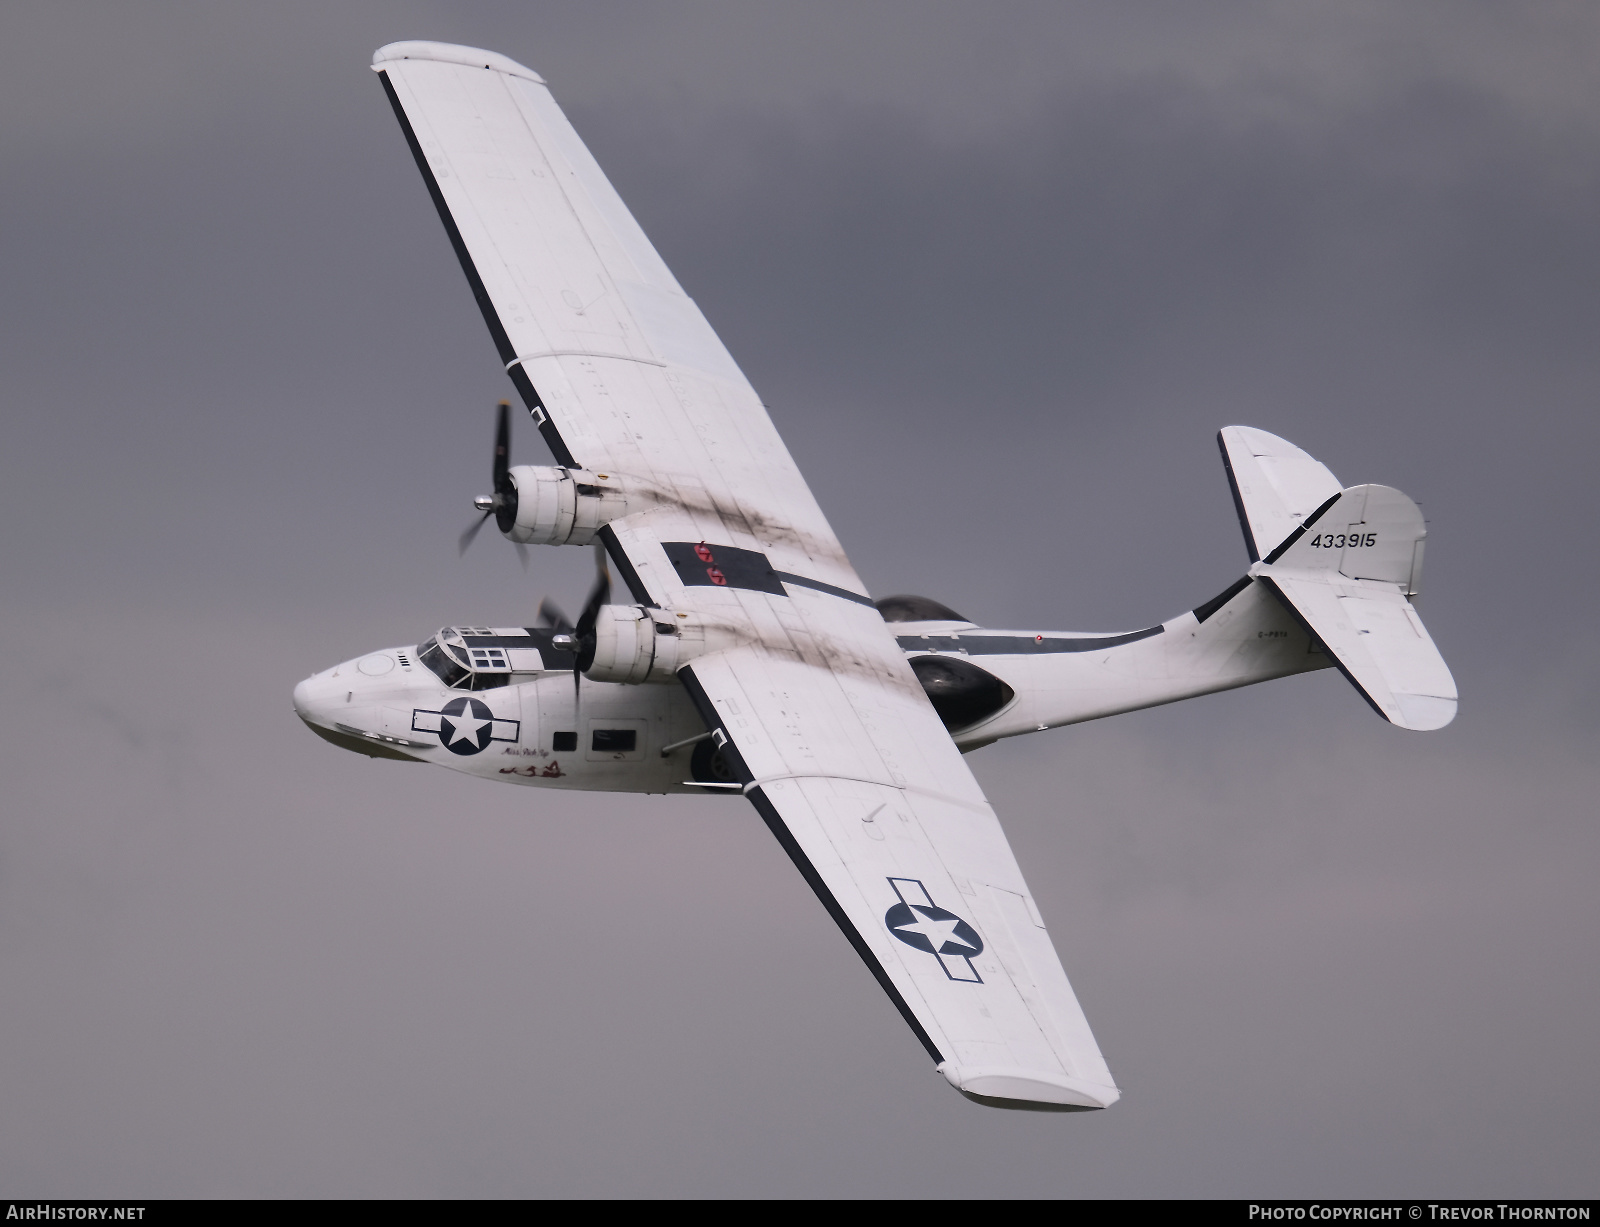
[1238, 502]
[1316, 515]
[1202, 612]
[1017, 645]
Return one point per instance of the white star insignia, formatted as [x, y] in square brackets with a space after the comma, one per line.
[466, 727]
[936, 931]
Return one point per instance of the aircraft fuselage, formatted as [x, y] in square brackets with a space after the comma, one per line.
[502, 702]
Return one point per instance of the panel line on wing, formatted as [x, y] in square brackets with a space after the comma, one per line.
[947, 798]
[578, 353]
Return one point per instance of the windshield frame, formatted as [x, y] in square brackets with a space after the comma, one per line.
[445, 655]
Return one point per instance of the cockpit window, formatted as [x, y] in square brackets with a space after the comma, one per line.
[446, 669]
[460, 667]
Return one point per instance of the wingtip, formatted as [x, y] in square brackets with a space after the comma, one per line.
[452, 53]
[1027, 1090]
[1421, 713]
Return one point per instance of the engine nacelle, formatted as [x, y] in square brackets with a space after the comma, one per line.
[635, 644]
[555, 506]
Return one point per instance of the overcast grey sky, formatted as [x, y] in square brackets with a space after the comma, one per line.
[1002, 271]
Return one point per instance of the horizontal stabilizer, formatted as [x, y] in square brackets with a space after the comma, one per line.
[1346, 574]
[1275, 485]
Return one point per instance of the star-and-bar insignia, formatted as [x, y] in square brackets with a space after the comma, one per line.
[917, 922]
[465, 725]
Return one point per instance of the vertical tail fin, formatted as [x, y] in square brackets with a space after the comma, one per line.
[1345, 563]
[1275, 485]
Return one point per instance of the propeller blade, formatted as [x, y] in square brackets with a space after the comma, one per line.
[550, 615]
[505, 490]
[584, 634]
[598, 595]
[522, 554]
[503, 504]
[502, 447]
[468, 537]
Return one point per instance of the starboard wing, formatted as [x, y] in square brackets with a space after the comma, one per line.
[835, 742]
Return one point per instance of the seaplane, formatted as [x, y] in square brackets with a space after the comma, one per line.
[741, 656]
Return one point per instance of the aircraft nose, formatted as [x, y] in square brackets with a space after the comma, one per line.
[311, 700]
[302, 698]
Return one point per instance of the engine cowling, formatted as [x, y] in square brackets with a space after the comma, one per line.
[634, 644]
[558, 506]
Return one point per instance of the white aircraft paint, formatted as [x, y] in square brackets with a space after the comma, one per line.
[750, 662]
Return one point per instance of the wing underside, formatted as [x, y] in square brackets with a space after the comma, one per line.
[910, 861]
[615, 361]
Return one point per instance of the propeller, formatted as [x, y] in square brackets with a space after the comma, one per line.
[551, 615]
[583, 633]
[502, 504]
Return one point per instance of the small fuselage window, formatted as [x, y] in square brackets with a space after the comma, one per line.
[615, 741]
